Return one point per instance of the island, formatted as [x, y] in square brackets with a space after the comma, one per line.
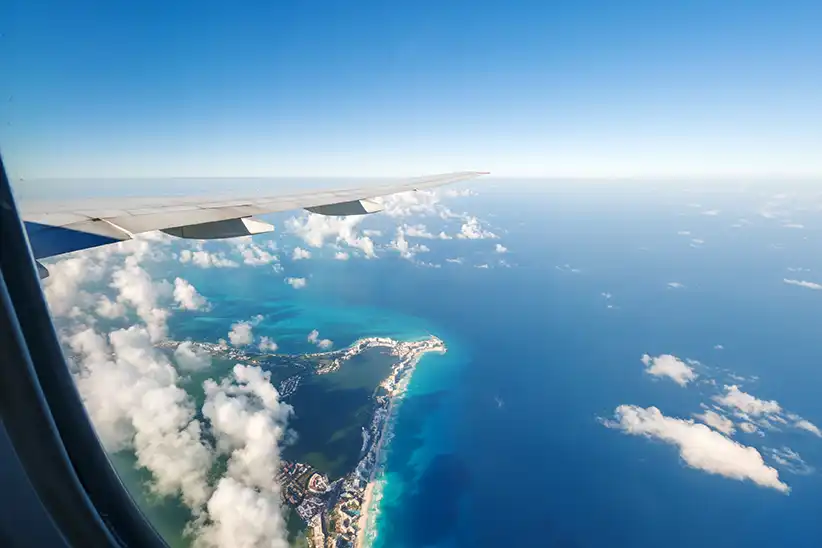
[343, 401]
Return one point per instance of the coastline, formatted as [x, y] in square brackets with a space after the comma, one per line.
[344, 509]
[398, 392]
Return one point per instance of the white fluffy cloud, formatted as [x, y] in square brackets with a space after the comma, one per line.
[471, 229]
[107, 308]
[499, 248]
[743, 402]
[314, 338]
[676, 285]
[249, 423]
[66, 276]
[717, 421]
[296, 283]
[187, 296]
[803, 283]
[700, 447]
[315, 229]
[300, 253]
[190, 357]
[131, 393]
[417, 231]
[205, 259]
[253, 254]
[266, 344]
[136, 288]
[241, 334]
[669, 366]
[406, 250]
[341, 256]
[421, 203]
[804, 424]
[765, 413]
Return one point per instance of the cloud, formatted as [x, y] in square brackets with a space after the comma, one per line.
[205, 259]
[253, 254]
[266, 344]
[699, 446]
[417, 231]
[684, 233]
[241, 334]
[67, 276]
[717, 422]
[456, 260]
[315, 229]
[314, 338]
[406, 250]
[296, 283]
[136, 288]
[130, 391]
[422, 203]
[764, 413]
[371, 232]
[719, 347]
[472, 230]
[300, 253]
[676, 285]
[107, 308]
[790, 460]
[187, 297]
[606, 295]
[803, 283]
[669, 366]
[711, 212]
[249, 424]
[793, 225]
[341, 256]
[567, 268]
[499, 248]
[748, 427]
[735, 398]
[190, 357]
[458, 193]
[804, 424]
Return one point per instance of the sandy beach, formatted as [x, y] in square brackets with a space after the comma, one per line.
[369, 489]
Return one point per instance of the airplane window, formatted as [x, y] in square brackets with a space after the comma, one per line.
[435, 275]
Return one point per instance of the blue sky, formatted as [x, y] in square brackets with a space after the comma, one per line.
[403, 88]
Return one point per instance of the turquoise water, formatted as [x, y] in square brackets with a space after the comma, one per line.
[499, 441]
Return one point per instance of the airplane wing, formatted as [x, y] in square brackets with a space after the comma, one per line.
[60, 227]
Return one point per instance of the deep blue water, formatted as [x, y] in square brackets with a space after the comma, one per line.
[539, 468]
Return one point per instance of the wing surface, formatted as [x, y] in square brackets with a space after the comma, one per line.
[60, 227]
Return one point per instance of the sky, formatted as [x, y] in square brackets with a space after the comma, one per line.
[528, 88]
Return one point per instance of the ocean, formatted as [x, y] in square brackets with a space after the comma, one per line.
[501, 440]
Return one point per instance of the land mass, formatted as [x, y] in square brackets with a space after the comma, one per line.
[343, 403]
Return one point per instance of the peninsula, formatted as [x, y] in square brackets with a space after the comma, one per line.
[333, 513]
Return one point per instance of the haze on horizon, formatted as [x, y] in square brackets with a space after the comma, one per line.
[562, 89]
